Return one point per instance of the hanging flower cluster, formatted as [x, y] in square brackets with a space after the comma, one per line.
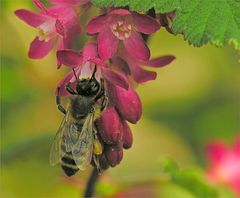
[117, 51]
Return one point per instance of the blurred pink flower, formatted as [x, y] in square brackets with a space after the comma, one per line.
[57, 22]
[124, 26]
[224, 164]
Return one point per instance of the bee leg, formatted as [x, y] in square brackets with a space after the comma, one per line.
[58, 101]
[97, 164]
[70, 90]
[104, 103]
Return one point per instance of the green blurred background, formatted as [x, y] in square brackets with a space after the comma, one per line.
[194, 100]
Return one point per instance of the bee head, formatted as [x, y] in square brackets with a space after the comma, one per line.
[88, 87]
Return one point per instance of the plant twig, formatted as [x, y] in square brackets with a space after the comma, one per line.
[91, 184]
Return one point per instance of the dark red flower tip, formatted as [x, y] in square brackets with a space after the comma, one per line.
[127, 138]
[114, 154]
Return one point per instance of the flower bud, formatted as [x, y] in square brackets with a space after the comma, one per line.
[127, 135]
[109, 126]
[114, 154]
[128, 104]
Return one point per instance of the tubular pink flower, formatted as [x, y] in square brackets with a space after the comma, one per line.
[224, 164]
[88, 58]
[114, 154]
[57, 22]
[127, 138]
[109, 126]
[121, 25]
[134, 67]
[128, 104]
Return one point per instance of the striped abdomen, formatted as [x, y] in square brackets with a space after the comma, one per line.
[68, 164]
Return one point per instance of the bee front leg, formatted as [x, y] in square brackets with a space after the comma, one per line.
[58, 101]
[70, 89]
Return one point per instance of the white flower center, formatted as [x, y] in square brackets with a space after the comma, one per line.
[47, 30]
[121, 30]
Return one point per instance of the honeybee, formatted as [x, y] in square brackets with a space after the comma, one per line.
[76, 142]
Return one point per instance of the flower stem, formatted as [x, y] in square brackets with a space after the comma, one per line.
[91, 184]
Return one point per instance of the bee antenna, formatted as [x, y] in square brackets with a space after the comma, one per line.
[74, 74]
[95, 70]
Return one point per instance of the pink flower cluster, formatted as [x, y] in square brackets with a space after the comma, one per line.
[224, 166]
[116, 49]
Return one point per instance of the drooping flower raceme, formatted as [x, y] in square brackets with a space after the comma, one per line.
[111, 126]
[122, 26]
[224, 164]
[118, 53]
[55, 23]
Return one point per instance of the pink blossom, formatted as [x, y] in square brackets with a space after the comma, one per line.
[83, 63]
[134, 67]
[54, 23]
[224, 164]
[124, 26]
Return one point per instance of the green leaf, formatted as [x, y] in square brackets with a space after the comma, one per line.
[203, 21]
[192, 179]
[200, 21]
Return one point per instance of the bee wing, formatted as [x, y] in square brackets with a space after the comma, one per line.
[82, 151]
[62, 137]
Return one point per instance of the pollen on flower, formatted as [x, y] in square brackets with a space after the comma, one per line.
[121, 30]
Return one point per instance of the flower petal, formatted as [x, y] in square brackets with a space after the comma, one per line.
[39, 49]
[31, 18]
[136, 46]
[96, 24]
[69, 57]
[121, 64]
[62, 85]
[144, 23]
[40, 6]
[122, 12]
[160, 62]
[141, 75]
[115, 78]
[107, 44]
[89, 51]
[59, 28]
[216, 151]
